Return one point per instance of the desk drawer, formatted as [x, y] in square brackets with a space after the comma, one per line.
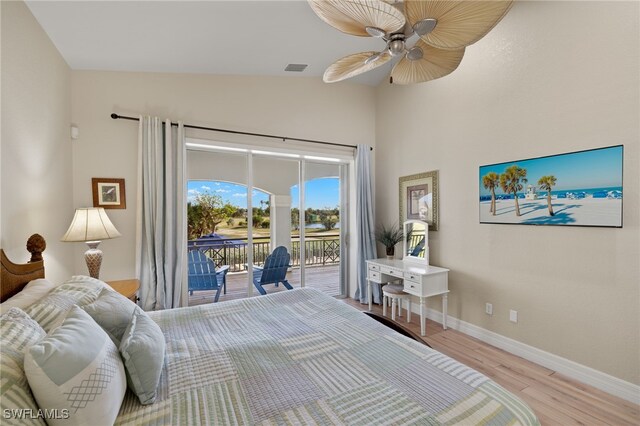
[428, 285]
[412, 287]
[408, 276]
[373, 267]
[389, 271]
[373, 276]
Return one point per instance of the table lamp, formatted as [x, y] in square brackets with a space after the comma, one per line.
[91, 225]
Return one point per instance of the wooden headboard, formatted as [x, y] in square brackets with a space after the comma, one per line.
[14, 276]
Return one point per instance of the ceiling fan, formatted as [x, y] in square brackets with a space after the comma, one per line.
[444, 28]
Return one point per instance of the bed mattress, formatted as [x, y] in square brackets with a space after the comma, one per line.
[301, 357]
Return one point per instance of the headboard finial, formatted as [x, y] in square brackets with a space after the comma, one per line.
[36, 245]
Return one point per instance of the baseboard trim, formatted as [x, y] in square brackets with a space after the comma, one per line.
[572, 369]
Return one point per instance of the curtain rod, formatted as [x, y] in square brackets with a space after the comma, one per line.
[237, 132]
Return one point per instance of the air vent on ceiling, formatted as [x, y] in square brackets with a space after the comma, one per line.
[296, 67]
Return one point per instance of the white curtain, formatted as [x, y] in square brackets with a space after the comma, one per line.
[161, 215]
[364, 223]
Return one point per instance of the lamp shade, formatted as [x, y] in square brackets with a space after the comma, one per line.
[90, 224]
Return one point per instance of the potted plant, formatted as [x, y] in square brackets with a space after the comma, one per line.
[389, 237]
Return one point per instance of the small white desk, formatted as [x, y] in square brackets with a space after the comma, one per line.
[421, 281]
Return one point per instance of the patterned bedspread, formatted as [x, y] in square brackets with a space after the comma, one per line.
[301, 357]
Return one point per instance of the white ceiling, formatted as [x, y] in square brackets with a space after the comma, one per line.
[210, 37]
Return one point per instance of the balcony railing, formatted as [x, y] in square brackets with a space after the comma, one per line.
[319, 250]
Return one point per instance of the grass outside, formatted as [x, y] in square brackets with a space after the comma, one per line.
[236, 231]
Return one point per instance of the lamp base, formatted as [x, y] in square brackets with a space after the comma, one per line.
[93, 257]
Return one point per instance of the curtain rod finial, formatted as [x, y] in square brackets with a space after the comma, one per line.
[114, 116]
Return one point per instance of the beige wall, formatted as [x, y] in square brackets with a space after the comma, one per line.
[36, 186]
[547, 80]
[296, 107]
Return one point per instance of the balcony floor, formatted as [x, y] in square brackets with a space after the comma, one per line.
[324, 278]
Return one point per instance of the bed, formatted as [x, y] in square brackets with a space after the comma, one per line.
[301, 357]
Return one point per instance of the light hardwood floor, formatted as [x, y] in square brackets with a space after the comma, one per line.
[556, 399]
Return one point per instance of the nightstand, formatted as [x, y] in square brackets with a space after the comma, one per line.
[127, 288]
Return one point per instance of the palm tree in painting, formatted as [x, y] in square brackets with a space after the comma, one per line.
[512, 180]
[490, 182]
[546, 183]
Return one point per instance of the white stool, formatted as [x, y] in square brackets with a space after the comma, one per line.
[395, 293]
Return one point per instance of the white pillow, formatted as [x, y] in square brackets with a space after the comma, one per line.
[31, 293]
[77, 368]
[17, 332]
[142, 349]
[52, 309]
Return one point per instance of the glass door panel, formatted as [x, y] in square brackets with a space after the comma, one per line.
[217, 219]
[323, 222]
[275, 201]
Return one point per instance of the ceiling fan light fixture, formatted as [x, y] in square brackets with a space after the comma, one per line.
[375, 32]
[396, 47]
[415, 53]
[373, 58]
[425, 26]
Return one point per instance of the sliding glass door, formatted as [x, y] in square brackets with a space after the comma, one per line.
[243, 203]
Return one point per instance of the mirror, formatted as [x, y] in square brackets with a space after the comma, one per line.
[416, 239]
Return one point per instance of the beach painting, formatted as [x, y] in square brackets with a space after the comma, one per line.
[577, 189]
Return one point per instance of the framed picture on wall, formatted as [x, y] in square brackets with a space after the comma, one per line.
[108, 193]
[582, 188]
[419, 198]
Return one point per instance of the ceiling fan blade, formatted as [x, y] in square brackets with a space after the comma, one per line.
[354, 16]
[435, 63]
[352, 65]
[459, 23]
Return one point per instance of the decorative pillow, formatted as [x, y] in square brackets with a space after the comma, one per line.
[113, 312]
[18, 333]
[31, 293]
[52, 309]
[142, 349]
[77, 368]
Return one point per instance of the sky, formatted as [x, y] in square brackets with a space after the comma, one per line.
[598, 168]
[319, 193]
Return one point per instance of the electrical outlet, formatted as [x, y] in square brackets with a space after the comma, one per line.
[488, 309]
[513, 315]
